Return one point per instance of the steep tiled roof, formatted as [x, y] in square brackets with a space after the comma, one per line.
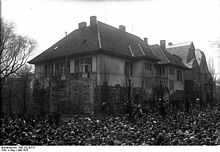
[97, 38]
[122, 42]
[77, 41]
[166, 57]
[201, 59]
[185, 51]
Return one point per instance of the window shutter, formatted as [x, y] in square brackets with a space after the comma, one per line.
[72, 66]
[93, 64]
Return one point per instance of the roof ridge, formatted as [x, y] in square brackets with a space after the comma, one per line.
[182, 42]
[179, 44]
[120, 30]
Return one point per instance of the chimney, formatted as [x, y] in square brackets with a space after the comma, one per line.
[82, 25]
[93, 20]
[146, 40]
[163, 44]
[170, 43]
[122, 28]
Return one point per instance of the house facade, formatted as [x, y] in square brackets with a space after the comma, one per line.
[194, 77]
[206, 81]
[92, 56]
[169, 73]
[99, 64]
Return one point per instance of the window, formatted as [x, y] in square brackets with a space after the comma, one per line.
[179, 75]
[68, 67]
[59, 69]
[128, 68]
[171, 71]
[83, 66]
[148, 66]
[48, 70]
[62, 70]
[76, 66]
[160, 71]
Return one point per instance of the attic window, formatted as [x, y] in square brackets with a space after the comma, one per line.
[56, 47]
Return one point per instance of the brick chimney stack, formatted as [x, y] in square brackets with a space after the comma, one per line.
[93, 20]
[146, 40]
[163, 44]
[122, 28]
[82, 25]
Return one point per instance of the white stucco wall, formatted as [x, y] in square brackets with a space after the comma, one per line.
[110, 67]
[138, 74]
[39, 70]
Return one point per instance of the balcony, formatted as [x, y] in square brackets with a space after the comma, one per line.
[161, 76]
[161, 79]
[80, 75]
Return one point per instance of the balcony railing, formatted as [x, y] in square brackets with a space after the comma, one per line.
[161, 76]
[161, 79]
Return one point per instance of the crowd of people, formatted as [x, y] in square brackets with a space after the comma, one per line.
[176, 128]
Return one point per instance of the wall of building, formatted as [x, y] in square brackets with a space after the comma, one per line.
[161, 78]
[110, 68]
[39, 70]
[188, 75]
[178, 85]
[138, 74]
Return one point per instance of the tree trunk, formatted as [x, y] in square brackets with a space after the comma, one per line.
[9, 97]
[1, 87]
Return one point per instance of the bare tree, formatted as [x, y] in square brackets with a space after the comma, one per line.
[25, 75]
[216, 45]
[105, 76]
[126, 84]
[14, 50]
[105, 90]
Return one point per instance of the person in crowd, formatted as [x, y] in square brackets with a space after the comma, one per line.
[162, 107]
[187, 105]
[177, 128]
[128, 108]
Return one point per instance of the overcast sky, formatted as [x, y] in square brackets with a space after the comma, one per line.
[173, 20]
